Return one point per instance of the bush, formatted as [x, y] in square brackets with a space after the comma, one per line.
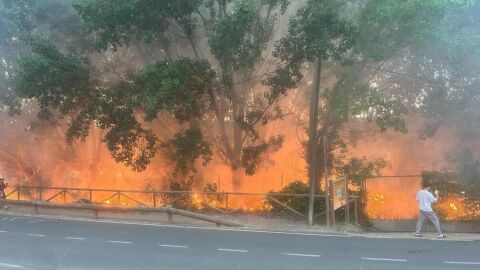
[178, 200]
[300, 204]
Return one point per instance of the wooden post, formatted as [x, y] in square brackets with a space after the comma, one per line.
[325, 174]
[347, 202]
[332, 202]
[64, 196]
[327, 209]
[355, 209]
[40, 193]
[18, 194]
[90, 196]
[312, 139]
[154, 199]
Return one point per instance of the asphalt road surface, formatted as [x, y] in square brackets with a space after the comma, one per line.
[43, 243]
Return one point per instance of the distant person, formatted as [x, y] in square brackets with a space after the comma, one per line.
[425, 199]
[3, 185]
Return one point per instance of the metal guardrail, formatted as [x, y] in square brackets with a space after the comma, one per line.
[219, 202]
[96, 208]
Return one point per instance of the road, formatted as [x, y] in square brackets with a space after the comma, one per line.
[43, 243]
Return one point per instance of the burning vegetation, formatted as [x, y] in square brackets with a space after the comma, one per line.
[210, 96]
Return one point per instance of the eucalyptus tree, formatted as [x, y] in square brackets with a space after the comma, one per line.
[206, 77]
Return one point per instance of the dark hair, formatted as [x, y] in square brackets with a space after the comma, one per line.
[426, 183]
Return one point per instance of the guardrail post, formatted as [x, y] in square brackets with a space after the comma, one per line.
[118, 198]
[170, 217]
[154, 199]
[226, 201]
[90, 197]
[35, 209]
[40, 193]
[18, 194]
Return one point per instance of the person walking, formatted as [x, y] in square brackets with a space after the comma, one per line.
[425, 199]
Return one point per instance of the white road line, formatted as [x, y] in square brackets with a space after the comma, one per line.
[383, 259]
[13, 266]
[36, 221]
[301, 255]
[119, 242]
[74, 238]
[36, 235]
[3, 231]
[232, 250]
[173, 246]
[464, 263]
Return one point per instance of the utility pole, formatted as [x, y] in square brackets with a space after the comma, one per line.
[312, 138]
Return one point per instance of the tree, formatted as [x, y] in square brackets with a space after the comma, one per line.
[199, 87]
[354, 38]
[320, 32]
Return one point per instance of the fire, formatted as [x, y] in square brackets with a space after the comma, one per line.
[453, 207]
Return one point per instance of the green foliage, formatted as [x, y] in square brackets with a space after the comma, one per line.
[230, 40]
[298, 203]
[252, 156]
[178, 87]
[316, 31]
[389, 25]
[350, 98]
[57, 80]
[186, 148]
[62, 82]
[116, 23]
[358, 170]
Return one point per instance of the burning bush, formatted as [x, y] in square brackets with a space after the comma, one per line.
[459, 198]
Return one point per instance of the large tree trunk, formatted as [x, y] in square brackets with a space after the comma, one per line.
[238, 174]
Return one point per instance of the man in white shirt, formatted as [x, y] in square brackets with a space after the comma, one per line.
[425, 199]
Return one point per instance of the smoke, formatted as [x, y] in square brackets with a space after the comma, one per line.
[35, 153]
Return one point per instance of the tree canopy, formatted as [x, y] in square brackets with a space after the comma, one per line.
[124, 65]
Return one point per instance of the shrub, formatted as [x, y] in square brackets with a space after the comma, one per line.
[300, 204]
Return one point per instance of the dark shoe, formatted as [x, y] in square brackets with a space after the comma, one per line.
[441, 236]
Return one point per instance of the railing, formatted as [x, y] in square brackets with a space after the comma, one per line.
[218, 202]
